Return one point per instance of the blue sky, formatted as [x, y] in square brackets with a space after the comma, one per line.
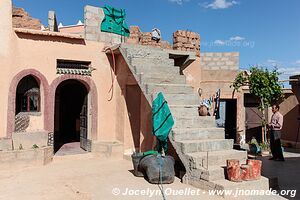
[265, 32]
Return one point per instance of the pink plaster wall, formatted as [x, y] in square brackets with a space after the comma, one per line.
[36, 55]
[72, 29]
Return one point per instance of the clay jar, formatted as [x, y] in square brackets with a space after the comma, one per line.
[233, 170]
[203, 111]
[256, 168]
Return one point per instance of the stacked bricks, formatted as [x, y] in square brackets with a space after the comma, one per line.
[21, 19]
[144, 38]
[220, 61]
[135, 35]
[186, 41]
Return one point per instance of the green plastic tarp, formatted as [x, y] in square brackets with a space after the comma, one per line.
[114, 21]
[162, 121]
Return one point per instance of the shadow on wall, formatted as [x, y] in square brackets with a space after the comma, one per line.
[290, 125]
[51, 38]
[140, 112]
[138, 108]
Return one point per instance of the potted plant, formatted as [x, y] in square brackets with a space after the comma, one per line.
[254, 146]
[265, 148]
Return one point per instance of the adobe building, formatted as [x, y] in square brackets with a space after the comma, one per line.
[96, 88]
[292, 132]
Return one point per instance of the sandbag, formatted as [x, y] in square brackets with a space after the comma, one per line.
[136, 157]
[159, 169]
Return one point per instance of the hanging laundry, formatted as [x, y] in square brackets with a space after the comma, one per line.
[162, 121]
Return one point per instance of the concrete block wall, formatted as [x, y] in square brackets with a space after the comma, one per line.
[93, 17]
[52, 23]
[220, 60]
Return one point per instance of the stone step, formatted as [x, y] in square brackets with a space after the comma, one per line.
[184, 110]
[180, 134]
[194, 122]
[220, 185]
[258, 185]
[141, 49]
[144, 53]
[180, 99]
[162, 78]
[190, 146]
[158, 70]
[209, 174]
[151, 61]
[169, 88]
[199, 160]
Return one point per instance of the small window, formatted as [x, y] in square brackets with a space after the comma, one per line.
[72, 64]
[28, 95]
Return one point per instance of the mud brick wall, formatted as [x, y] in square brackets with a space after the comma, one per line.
[144, 38]
[186, 41]
[220, 61]
[135, 35]
[21, 19]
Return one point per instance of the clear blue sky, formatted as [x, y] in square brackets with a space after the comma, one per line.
[265, 32]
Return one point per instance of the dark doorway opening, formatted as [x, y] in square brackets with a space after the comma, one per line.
[70, 113]
[228, 118]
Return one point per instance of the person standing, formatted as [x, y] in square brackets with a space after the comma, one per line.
[275, 127]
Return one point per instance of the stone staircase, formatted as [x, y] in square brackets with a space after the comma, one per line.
[200, 145]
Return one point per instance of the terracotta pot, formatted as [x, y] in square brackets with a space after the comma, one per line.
[246, 172]
[256, 167]
[203, 111]
[233, 170]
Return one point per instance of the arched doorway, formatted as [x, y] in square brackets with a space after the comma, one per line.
[70, 116]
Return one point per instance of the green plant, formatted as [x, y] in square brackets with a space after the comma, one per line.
[264, 146]
[263, 84]
[254, 141]
[35, 146]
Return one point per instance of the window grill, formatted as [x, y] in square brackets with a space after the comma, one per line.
[74, 67]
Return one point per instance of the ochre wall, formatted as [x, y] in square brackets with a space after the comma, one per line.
[41, 57]
[210, 80]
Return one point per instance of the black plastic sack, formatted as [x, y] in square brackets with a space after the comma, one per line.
[159, 169]
[136, 157]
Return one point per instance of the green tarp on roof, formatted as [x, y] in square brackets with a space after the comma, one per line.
[114, 21]
[162, 121]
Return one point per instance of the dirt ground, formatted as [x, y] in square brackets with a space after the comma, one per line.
[84, 177]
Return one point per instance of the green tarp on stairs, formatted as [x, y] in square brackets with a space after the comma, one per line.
[114, 21]
[162, 121]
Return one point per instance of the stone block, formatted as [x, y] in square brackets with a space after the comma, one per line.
[5, 144]
[26, 158]
[108, 149]
[92, 22]
[206, 58]
[91, 9]
[227, 54]
[25, 140]
[230, 63]
[92, 37]
[92, 30]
